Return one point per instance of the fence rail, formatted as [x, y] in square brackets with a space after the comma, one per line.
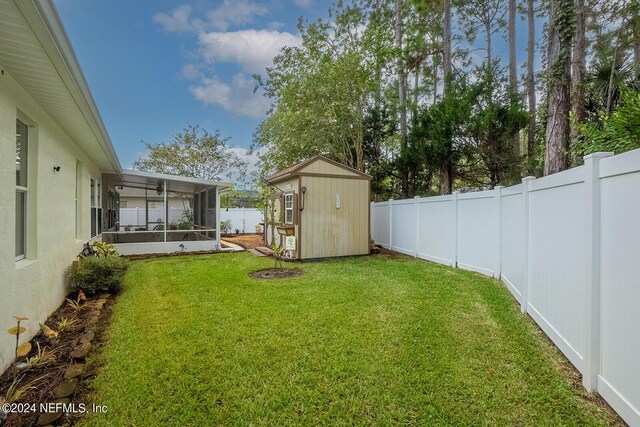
[567, 246]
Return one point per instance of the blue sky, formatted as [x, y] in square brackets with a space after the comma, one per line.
[154, 66]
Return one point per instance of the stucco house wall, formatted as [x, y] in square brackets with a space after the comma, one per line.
[35, 286]
[41, 85]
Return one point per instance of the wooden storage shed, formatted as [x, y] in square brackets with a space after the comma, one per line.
[324, 207]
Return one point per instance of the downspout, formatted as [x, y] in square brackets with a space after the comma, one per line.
[218, 235]
[166, 209]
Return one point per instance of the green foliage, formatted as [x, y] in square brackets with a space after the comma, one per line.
[98, 274]
[225, 226]
[618, 132]
[186, 220]
[100, 249]
[194, 152]
[472, 127]
[104, 249]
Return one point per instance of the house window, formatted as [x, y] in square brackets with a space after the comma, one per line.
[96, 208]
[288, 208]
[22, 138]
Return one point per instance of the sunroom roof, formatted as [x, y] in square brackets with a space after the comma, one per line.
[153, 181]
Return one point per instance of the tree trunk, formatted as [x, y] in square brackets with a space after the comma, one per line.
[446, 44]
[446, 175]
[531, 86]
[402, 95]
[446, 183]
[416, 84]
[636, 44]
[558, 98]
[578, 71]
[513, 68]
[489, 47]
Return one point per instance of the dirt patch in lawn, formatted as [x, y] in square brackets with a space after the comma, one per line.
[276, 273]
[247, 241]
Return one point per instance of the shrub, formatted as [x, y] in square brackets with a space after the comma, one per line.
[98, 274]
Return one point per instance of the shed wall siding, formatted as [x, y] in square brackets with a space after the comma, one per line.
[328, 231]
[286, 186]
[36, 286]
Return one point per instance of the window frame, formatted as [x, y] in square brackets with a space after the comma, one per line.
[288, 198]
[95, 207]
[22, 192]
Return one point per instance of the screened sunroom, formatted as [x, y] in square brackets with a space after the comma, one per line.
[171, 213]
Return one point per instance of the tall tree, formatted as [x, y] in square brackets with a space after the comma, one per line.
[487, 16]
[196, 153]
[560, 29]
[513, 68]
[578, 70]
[446, 179]
[402, 92]
[531, 85]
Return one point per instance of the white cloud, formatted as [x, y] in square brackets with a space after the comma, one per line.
[234, 13]
[252, 49]
[176, 21]
[221, 18]
[238, 97]
[191, 72]
[303, 3]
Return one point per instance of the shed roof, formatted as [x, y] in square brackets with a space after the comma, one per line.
[294, 170]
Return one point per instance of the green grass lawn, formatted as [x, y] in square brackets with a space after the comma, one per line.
[373, 340]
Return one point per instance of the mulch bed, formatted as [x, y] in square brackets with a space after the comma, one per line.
[276, 273]
[66, 379]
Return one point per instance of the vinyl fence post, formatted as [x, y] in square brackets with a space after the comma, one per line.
[390, 224]
[417, 213]
[498, 195]
[592, 356]
[524, 296]
[455, 228]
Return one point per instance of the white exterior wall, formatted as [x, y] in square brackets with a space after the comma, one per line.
[35, 287]
[567, 246]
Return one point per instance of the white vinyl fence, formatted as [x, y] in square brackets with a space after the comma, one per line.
[243, 219]
[567, 246]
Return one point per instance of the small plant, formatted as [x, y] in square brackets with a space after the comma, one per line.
[98, 274]
[17, 330]
[66, 324]
[16, 392]
[98, 249]
[186, 220]
[43, 357]
[104, 249]
[225, 226]
[237, 231]
[76, 304]
[278, 254]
